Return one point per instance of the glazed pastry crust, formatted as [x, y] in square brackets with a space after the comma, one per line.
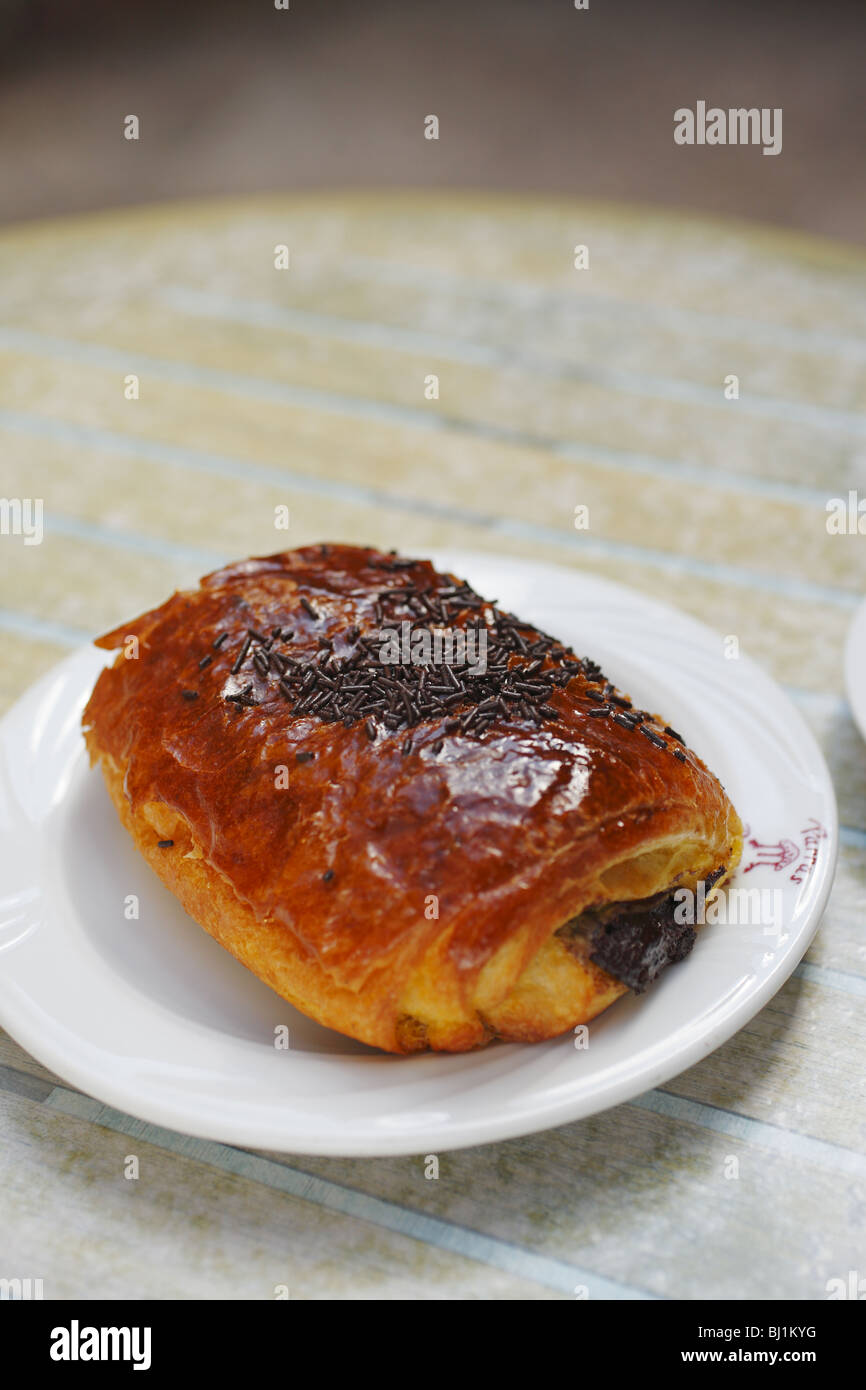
[408, 901]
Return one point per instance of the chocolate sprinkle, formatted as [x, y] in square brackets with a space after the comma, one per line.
[345, 680]
[653, 738]
[164, 844]
[242, 697]
[242, 655]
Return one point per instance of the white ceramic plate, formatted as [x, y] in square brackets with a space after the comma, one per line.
[153, 1017]
[855, 667]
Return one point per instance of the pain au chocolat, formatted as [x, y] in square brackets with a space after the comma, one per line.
[422, 821]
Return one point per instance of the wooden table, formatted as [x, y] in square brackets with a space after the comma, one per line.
[311, 387]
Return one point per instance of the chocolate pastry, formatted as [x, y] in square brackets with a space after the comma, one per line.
[391, 799]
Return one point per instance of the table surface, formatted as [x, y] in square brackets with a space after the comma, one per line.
[558, 386]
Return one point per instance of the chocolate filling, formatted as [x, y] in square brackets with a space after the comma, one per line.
[637, 945]
[636, 941]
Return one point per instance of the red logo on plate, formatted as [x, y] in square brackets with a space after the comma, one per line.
[782, 854]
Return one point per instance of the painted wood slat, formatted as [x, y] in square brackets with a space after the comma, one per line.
[185, 1229]
[675, 511]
